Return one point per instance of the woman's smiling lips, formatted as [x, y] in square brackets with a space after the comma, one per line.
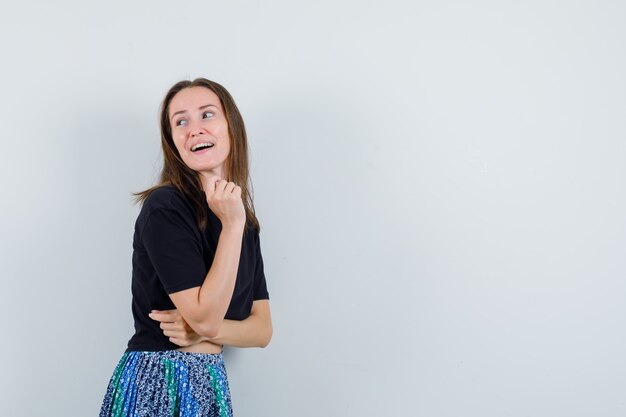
[202, 146]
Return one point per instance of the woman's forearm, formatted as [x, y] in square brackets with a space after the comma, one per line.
[217, 289]
[250, 332]
[204, 308]
[255, 331]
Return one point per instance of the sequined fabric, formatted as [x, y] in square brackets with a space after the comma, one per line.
[168, 384]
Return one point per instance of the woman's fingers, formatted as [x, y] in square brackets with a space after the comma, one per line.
[181, 342]
[210, 184]
[223, 188]
[220, 186]
[229, 188]
[226, 203]
[174, 327]
[169, 320]
[174, 333]
[177, 326]
[166, 316]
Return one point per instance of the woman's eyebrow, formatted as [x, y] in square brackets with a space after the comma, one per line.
[199, 108]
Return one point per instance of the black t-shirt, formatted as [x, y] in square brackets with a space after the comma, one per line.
[171, 253]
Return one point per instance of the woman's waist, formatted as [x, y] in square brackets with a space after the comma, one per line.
[146, 339]
[202, 347]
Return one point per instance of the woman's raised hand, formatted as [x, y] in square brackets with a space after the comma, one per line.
[224, 199]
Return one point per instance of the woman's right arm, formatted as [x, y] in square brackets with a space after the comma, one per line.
[204, 307]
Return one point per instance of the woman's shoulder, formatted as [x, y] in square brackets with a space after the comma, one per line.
[165, 197]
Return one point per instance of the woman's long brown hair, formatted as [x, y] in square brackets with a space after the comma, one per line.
[177, 174]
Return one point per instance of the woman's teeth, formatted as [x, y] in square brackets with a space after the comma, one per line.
[200, 146]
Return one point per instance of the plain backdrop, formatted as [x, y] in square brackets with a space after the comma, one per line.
[440, 185]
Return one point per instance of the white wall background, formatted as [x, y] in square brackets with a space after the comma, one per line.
[441, 188]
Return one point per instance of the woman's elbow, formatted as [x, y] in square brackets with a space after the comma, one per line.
[208, 329]
[265, 339]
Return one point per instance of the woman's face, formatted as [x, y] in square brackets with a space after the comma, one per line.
[200, 130]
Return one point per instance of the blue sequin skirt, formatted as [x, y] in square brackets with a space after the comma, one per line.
[168, 384]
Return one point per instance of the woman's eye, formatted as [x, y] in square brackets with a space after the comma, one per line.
[181, 122]
[207, 114]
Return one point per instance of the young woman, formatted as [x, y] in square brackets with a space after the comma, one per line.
[198, 281]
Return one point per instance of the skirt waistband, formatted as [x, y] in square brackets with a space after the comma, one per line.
[187, 357]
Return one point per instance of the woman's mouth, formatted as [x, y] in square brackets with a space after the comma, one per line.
[200, 146]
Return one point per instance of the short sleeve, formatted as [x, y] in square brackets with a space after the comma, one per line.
[260, 286]
[174, 249]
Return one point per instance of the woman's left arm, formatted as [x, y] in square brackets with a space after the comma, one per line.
[255, 331]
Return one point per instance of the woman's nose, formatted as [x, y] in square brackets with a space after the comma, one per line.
[195, 128]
